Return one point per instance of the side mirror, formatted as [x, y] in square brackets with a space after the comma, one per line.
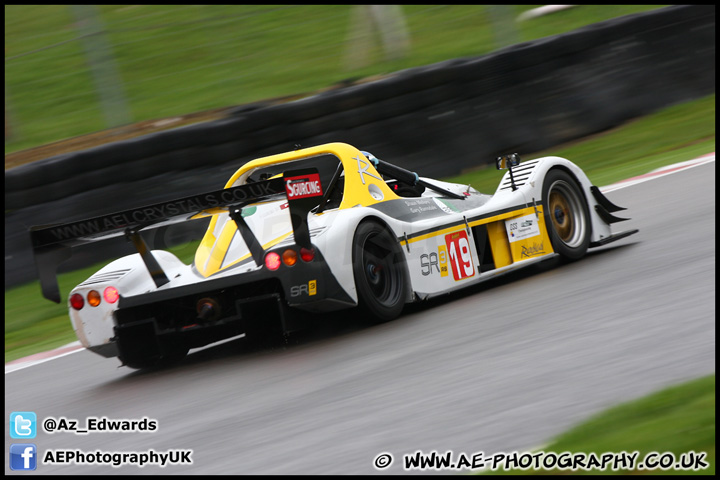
[507, 161]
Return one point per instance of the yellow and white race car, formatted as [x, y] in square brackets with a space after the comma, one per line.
[317, 229]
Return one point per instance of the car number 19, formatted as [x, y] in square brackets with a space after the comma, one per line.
[460, 256]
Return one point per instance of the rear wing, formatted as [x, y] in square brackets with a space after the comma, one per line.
[52, 244]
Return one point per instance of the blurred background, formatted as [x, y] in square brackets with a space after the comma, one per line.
[76, 70]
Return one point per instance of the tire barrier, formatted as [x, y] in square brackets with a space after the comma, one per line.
[437, 119]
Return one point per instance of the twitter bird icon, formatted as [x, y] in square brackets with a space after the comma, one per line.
[23, 424]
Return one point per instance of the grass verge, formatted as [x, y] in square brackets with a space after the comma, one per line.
[676, 420]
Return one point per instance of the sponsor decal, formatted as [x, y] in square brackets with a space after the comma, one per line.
[522, 227]
[442, 257]
[306, 289]
[303, 186]
[434, 262]
[421, 205]
[429, 263]
[154, 213]
[247, 211]
[445, 207]
[363, 166]
[534, 249]
[461, 261]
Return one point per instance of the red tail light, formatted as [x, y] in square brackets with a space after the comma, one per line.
[272, 261]
[307, 254]
[77, 301]
[111, 294]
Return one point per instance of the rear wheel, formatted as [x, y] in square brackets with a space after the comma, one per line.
[566, 215]
[379, 271]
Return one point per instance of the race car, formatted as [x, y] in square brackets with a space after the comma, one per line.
[317, 230]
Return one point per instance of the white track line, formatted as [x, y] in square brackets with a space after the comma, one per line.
[39, 358]
[42, 357]
[660, 172]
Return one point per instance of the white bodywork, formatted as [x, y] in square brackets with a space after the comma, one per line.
[332, 233]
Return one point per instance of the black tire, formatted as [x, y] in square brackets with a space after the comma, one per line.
[379, 271]
[566, 215]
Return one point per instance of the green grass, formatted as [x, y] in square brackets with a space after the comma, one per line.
[33, 324]
[679, 419]
[175, 60]
[678, 133]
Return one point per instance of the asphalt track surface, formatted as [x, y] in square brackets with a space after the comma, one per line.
[501, 367]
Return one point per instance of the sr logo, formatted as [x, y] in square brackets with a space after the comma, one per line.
[429, 263]
[434, 262]
[309, 289]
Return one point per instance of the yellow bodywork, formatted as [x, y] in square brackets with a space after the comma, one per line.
[363, 186]
[503, 252]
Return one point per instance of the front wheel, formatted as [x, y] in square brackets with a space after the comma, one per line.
[566, 215]
[379, 271]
